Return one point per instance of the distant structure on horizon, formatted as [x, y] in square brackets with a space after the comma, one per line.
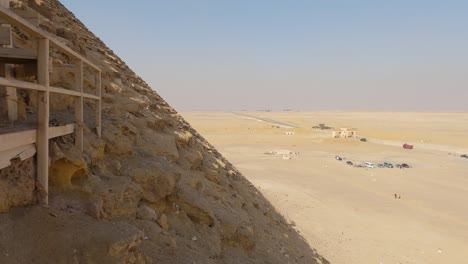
[345, 133]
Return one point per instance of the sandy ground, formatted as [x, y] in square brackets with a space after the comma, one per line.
[350, 215]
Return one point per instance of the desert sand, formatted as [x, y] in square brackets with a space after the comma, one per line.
[351, 215]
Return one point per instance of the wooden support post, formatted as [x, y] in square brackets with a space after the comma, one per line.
[11, 99]
[98, 104]
[8, 95]
[43, 121]
[79, 105]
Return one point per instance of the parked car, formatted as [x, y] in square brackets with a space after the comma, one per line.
[369, 165]
[339, 158]
[380, 165]
[398, 166]
[349, 163]
[404, 165]
[363, 139]
[407, 146]
[464, 156]
[388, 165]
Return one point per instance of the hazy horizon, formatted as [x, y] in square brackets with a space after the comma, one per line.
[307, 55]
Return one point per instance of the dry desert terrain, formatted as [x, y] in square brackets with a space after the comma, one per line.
[349, 214]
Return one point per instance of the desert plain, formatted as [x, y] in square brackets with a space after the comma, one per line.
[351, 214]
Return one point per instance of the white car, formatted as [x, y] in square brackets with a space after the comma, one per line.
[369, 165]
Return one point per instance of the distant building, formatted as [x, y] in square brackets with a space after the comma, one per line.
[289, 133]
[344, 133]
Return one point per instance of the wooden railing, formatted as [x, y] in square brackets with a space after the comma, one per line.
[44, 42]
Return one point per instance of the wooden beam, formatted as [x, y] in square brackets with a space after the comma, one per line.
[5, 35]
[99, 105]
[64, 91]
[72, 93]
[17, 139]
[7, 155]
[10, 92]
[22, 84]
[59, 131]
[23, 152]
[38, 87]
[36, 32]
[28, 153]
[90, 96]
[79, 106]
[43, 120]
[17, 56]
[9, 104]
[30, 15]
[12, 103]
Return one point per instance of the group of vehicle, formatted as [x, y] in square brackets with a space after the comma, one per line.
[372, 165]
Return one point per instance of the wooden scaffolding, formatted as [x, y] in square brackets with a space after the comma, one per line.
[23, 144]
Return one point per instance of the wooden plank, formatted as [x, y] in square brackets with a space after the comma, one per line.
[79, 106]
[12, 104]
[22, 84]
[43, 121]
[4, 163]
[36, 32]
[5, 35]
[10, 92]
[28, 153]
[72, 93]
[26, 14]
[64, 91]
[59, 131]
[38, 87]
[99, 105]
[17, 56]
[18, 139]
[90, 96]
[23, 152]
[11, 98]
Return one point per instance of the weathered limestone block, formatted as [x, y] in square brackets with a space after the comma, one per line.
[183, 138]
[197, 207]
[94, 147]
[213, 175]
[146, 213]
[237, 232]
[17, 184]
[123, 137]
[156, 122]
[66, 165]
[190, 159]
[163, 222]
[120, 196]
[157, 178]
[161, 144]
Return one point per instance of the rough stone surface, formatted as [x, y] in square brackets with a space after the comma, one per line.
[17, 184]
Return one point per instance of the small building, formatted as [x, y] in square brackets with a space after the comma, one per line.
[344, 133]
[290, 133]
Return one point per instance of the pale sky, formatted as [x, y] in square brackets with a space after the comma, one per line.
[302, 54]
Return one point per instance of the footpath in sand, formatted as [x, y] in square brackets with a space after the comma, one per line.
[350, 214]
